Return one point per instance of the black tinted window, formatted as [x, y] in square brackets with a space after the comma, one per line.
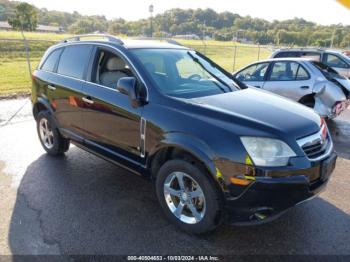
[73, 61]
[50, 62]
[287, 54]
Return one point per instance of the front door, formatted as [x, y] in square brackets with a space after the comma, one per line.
[111, 124]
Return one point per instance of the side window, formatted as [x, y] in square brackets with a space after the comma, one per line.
[278, 72]
[109, 68]
[302, 74]
[334, 61]
[288, 71]
[74, 60]
[253, 73]
[51, 61]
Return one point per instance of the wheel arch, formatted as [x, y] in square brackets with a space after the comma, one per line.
[182, 146]
[306, 98]
[40, 105]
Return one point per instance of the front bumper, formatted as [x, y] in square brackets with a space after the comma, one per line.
[268, 197]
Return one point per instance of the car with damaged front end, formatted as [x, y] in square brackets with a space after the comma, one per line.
[308, 82]
[216, 152]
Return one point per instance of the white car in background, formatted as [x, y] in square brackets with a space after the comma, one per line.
[339, 61]
[308, 82]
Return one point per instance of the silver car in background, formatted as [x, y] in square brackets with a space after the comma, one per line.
[339, 61]
[308, 82]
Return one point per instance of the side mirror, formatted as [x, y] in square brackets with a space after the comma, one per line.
[127, 86]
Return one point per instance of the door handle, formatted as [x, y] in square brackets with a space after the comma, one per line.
[51, 87]
[257, 86]
[87, 100]
[304, 87]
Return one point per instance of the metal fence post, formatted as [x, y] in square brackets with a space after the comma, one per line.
[234, 58]
[258, 52]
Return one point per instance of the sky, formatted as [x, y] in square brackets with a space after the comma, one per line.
[320, 11]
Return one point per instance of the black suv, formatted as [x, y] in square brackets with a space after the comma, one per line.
[217, 150]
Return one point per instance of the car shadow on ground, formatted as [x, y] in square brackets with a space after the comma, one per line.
[85, 205]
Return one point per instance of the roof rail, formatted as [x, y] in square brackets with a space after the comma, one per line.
[110, 38]
[168, 40]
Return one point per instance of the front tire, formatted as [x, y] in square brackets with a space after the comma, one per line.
[188, 197]
[49, 136]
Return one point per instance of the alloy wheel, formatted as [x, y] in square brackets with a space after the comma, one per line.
[184, 197]
[46, 133]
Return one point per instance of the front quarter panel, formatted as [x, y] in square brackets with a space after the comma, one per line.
[203, 139]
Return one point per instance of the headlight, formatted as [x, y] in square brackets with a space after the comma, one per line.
[267, 151]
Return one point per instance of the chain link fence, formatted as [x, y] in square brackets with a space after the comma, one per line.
[15, 78]
[233, 57]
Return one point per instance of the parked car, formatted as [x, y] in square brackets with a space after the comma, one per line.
[335, 59]
[310, 83]
[163, 111]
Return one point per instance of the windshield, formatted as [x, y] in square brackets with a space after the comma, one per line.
[184, 73]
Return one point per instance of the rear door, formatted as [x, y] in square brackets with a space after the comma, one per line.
[66, 87]
[289, 79]
[253, 75]
[42, 76]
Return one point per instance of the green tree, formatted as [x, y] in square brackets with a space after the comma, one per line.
[89, 25]
[25, 17]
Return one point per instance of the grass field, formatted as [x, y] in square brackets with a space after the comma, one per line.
[15, 78]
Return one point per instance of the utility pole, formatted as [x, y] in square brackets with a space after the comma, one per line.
[151, 9]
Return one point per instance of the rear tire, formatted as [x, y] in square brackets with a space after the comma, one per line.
[194, 204]
[50, 138]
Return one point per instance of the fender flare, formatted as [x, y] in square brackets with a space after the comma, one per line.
[44, 102]
[190, 144]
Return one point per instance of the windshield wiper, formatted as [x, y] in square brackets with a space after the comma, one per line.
[213, 75]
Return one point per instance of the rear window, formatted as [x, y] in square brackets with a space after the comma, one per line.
[51, 61]
[73, 61]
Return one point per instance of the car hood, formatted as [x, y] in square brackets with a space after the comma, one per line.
[261, 110]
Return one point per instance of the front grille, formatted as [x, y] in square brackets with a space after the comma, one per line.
[317, 146]
[316, 149]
